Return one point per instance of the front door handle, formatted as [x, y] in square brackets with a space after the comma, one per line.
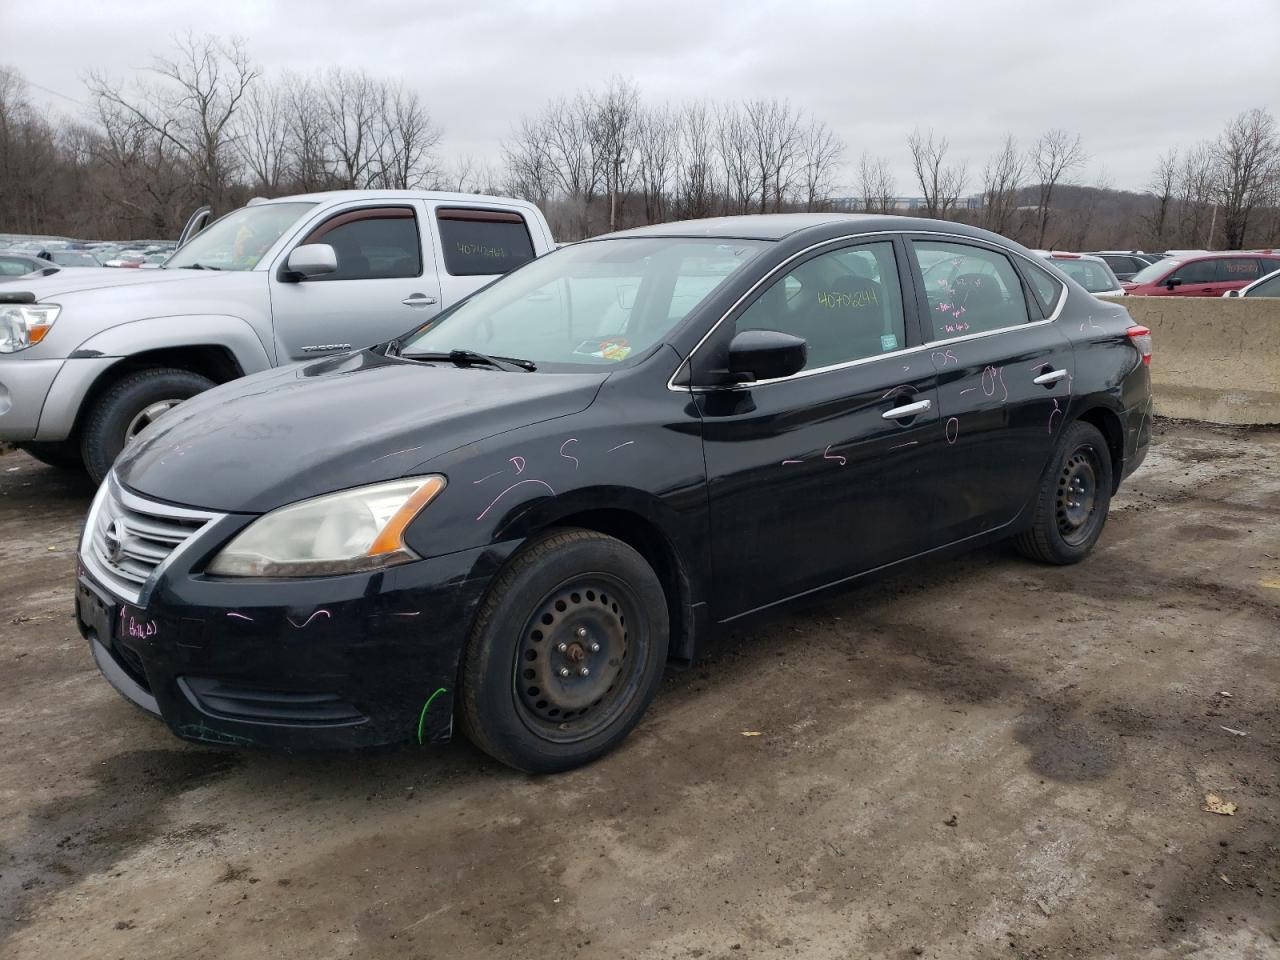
[418, 300]
[907, 410]
[1053, 376]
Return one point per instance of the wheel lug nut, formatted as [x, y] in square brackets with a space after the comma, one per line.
[562, 646]
[583, 672]
[564, 671]
[581, 633]
[595, 647]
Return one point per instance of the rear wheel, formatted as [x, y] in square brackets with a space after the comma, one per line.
[1075, 495]
[128, 407]
[566, 652]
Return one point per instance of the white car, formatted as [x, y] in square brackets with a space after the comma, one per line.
[1089, 271]
[1268, 286]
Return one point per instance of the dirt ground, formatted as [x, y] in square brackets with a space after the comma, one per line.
[981, 758]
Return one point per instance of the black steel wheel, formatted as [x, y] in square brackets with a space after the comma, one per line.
[566, 652]
[1071, 505]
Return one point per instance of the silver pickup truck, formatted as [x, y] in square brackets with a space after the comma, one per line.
[89, 357]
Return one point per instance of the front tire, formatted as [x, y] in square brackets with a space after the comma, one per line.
[1074, 497]
[127, 407]
[566, 652]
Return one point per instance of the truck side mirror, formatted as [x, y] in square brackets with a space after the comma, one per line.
[310, 260]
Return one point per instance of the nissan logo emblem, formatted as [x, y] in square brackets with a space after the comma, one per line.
[114, 541]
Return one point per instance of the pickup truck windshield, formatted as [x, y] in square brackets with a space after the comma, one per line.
[238, 240]
[594, 303]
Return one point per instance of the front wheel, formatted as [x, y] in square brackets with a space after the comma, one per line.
[1074, 497]
[566, 652]
[128, 407]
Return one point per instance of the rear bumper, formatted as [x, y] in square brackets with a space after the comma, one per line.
[24, 384]
[354, 666]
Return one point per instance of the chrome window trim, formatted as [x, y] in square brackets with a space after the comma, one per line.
[928, 345]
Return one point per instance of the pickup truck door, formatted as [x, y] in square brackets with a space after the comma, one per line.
[386, 282]
[477, 244]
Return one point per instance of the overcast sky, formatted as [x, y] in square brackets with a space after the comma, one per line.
[1132, 77]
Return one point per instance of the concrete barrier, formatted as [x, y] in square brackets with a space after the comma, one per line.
[1213, 359]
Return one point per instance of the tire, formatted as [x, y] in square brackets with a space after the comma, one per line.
[108, 425]
[600, 600]
[1072, 502]
[63, 454]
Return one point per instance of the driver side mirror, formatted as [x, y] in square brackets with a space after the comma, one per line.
[765, 355]
[1173, 282]
[311, 260]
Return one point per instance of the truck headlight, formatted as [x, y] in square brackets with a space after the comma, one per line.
[24, 324]
[347, 532]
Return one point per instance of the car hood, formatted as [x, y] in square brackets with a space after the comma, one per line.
[284, 435]
[78, 279]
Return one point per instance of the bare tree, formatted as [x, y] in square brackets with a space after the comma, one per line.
[192, 107]
[774, 132]
[940, 184]
[1001, 181]
[612, 126]
[657, 143]
[695, 164]
[1054, 155]
[1196, 179]
[527, 157]
[875, 183]
[353, 105]
[309, 165]
[820, 152]
[407, 142]
[1164, 179]
[568, 140]
[733, 141]
[263, 138]
[1245, 156]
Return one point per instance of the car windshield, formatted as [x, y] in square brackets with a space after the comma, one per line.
[594, 303]
[73, 258]
[1093, 276]
[239, 240]
[1154, 272]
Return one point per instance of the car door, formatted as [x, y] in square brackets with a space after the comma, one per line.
[1004, 373]
[385, 282]
[820, 475]
[1197, 278]
[476, 245]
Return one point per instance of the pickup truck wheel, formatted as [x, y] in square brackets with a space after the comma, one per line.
[1074, 497]
[565, 654]
[129, 406]
[64, 454]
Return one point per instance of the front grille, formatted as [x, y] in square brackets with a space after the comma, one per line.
[128, 538]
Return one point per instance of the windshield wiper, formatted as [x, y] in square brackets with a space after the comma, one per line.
[201, 266]
[468, 357]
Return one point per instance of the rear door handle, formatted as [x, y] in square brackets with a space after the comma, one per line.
[1053, 376]
[907, 410]
[418, 300]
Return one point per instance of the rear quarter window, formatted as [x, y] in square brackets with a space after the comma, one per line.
[1046, 288]
[482, 243]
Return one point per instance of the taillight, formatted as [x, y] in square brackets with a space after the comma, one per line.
[1140, 337]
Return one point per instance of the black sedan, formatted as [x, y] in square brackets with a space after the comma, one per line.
[514, 516]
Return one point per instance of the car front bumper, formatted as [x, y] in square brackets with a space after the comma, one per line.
[339, 662]
[24, 384]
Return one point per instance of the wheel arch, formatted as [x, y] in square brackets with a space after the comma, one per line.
[1108, 424]
[647, 537]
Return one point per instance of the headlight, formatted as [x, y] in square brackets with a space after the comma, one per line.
[361, 529]
[22, 325]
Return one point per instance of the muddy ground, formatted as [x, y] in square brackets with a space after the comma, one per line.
[983, 758]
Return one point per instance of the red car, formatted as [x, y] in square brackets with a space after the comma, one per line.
[1201, 275]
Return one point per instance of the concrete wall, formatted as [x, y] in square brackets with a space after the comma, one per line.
[1213, 359]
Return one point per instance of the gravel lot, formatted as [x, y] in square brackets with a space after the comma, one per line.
[981, 758]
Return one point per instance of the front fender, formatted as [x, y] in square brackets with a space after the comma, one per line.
[96, 355]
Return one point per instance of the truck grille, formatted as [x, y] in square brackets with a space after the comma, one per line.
[128, 538]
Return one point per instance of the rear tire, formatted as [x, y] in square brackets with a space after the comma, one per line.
[63, 454]
[1075, 494]
[127, 407]
[566, 652]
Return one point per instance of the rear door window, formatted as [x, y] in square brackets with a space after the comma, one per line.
[482, 243]
[372, 244]
[1237, 270]
[970, 289]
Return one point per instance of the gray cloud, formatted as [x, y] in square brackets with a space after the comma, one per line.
[1132, 78]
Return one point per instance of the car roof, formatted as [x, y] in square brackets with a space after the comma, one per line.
[324, 196]
[818, 226]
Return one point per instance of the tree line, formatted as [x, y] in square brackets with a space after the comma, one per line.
[204, 125]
